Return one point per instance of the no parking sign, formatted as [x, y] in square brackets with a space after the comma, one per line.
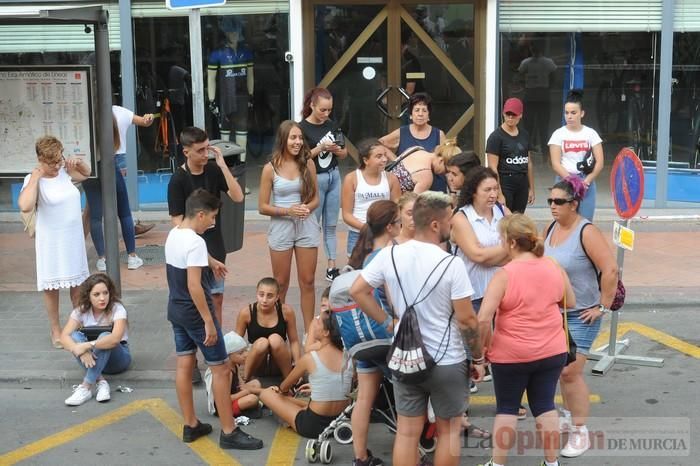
[627, 183]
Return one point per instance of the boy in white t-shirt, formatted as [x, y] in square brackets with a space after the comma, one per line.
[190, 311]
[421, 261]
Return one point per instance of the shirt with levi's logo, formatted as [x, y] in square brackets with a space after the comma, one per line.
[512, 151]
[574, 145]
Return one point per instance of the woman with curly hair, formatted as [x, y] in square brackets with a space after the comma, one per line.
[104, 353]
[289, 195]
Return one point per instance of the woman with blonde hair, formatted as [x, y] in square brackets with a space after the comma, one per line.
[423, 170]
[527, 348]
[289, 195]
[408, 228]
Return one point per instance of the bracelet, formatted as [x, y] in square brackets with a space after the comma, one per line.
[479, 361]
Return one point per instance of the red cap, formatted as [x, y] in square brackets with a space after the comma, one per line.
[513, 105]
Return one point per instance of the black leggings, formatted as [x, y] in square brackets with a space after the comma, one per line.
[539, 378]
[515, 188]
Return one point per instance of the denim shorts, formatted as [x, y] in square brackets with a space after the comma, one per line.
[582, 333]
[188, 339]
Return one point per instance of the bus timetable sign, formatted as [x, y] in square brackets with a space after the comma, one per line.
[627, 183]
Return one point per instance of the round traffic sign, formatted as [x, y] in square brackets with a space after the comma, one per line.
[627, 183]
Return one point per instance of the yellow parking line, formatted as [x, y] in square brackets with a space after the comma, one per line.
[205, 448]
[485, 400]
[652, 334]
[284, 447]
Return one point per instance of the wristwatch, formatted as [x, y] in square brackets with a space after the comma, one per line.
[93, 343]
[603, 310]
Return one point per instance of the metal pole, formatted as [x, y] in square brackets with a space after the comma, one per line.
[106, 148]
[612, 343]
[129, 98]
[664, 116]
[197, 72]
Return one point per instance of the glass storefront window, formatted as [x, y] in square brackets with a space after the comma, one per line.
[245, 111]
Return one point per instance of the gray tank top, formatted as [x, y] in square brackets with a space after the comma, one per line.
[327, 385]
[582, 274]
[285, 192]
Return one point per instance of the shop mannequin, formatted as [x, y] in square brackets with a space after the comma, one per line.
[230, 84]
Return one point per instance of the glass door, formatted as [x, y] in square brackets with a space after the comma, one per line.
[373, 56]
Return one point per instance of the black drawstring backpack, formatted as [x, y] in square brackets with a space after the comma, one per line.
[408, 360]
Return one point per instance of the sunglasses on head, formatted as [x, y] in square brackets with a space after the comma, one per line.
[558, 201]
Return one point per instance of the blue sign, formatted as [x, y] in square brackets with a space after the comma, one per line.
[627, 183]
[183, 4]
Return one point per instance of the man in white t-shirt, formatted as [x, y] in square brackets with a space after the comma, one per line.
[447, 384]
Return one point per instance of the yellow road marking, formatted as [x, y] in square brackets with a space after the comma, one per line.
[205, 448]
[485, 400]
[284, 447]
[652, 334]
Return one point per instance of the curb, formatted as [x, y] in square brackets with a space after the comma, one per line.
[65, 379]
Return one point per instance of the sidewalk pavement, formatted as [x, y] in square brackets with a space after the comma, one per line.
[662, 272]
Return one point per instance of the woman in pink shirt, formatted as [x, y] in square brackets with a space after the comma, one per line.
[527, 349]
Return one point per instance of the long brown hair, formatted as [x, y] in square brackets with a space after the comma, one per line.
[312, 97]
[84, 304]
[379, 216]
[307, 181]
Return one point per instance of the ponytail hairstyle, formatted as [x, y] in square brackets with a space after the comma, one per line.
[521, 229]
[471, 184]
[379, 216]
[312, 97]
[575, 96]
[115, 134]
[280, 148]
[447, 150]
[364, 149]
[330, 325]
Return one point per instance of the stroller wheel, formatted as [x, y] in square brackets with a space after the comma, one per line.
[343, 433]
[326, 453]
[428, 444]
[311, 451]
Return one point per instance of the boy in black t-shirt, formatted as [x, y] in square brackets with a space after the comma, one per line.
[191, 315]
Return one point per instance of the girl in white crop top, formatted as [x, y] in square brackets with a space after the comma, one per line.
[365, 185]
[330, 378]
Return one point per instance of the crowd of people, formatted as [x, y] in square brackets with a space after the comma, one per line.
[446, 255]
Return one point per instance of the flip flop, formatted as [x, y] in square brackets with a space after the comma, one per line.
[476, 432]
[55, 343]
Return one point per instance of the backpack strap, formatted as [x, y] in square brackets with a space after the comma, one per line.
[417, 300]
[580, 238]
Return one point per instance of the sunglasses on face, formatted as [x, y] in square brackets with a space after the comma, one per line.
[558, 201]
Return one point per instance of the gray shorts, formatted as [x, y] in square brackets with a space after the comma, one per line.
[446, 386]
[286, 232]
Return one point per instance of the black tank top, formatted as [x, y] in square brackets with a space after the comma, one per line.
[256, 331]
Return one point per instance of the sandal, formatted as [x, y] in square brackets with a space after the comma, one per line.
[55, 343]
[476, 432]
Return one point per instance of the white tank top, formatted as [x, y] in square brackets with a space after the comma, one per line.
[366, 194]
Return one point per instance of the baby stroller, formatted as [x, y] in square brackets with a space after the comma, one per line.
[365, 340]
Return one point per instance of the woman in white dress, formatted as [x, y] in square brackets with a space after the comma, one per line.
[61, 261]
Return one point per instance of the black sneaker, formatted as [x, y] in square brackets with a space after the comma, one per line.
[370, 461]
[190, 434]
[196, 375]
[239, 440]
[332, 274]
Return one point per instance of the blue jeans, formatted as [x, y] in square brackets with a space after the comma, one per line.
[93, 193]
[353, 236]
[328, 207]
[107, 361]
[587, 205]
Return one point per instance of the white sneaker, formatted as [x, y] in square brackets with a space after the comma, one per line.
[101, 265]
[134, 262]
[473, 388]
[565, 421]
[578, 442]
[102, 394]
[80, 395]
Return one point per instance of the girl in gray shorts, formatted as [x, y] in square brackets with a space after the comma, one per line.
[289, 195]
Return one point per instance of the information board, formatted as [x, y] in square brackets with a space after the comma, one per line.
[44, 100]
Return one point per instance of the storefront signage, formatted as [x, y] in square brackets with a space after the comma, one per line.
[44, 100]
[183, 4]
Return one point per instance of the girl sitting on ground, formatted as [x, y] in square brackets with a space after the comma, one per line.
[330, 377]
[108, 352]
[272, 330]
